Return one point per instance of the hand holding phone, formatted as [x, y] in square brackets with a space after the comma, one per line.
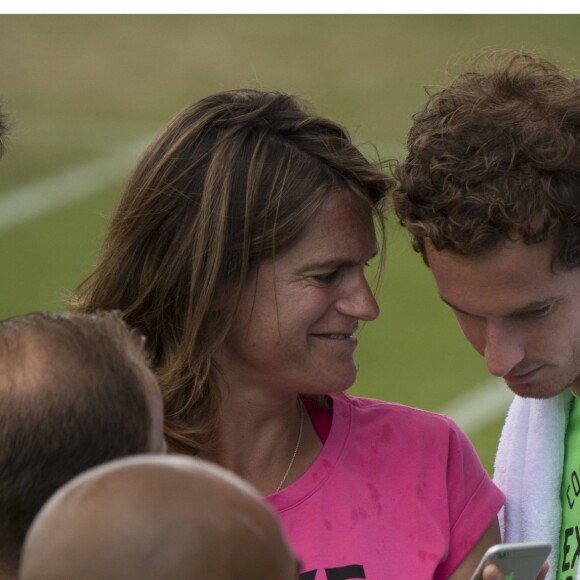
[521, 561]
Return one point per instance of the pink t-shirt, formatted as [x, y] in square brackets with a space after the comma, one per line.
[396, 492]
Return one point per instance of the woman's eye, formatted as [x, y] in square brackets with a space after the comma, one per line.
[326, 278]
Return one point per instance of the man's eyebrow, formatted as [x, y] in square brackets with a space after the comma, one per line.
[536, 305]
[452, 306]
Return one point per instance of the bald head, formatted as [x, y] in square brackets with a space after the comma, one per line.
[153, 518]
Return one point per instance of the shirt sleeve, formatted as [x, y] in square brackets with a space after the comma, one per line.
[474, 500]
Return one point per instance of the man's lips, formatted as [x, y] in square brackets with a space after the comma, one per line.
[521, 378]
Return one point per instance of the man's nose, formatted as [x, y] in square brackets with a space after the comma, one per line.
[503, 349]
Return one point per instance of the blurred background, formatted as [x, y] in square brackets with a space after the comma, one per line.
[86, 93]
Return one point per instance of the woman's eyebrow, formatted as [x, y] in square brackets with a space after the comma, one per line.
[339, 261]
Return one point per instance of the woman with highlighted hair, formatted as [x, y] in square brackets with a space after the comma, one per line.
[239, 250]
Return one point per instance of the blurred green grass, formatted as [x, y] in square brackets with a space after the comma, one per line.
[77, 87]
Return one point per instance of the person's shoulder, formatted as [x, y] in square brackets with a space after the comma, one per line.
[397, 412]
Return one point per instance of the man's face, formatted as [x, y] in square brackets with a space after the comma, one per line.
[522, 317]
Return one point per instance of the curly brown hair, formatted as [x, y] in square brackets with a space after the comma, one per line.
[231, 181]
[495, 155]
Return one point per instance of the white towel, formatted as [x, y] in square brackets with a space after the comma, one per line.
[528, 469]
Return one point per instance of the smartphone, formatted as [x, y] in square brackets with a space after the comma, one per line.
[517, 561]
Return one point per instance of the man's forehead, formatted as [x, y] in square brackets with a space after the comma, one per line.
[512, 259]
[512, 278]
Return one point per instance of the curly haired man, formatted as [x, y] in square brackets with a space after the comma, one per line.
[490, 192]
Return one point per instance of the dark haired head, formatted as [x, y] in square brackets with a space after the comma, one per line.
[75, 391]
[231, 181]
[495, 156]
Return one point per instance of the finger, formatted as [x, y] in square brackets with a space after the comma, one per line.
[492, 572]
[544, 571]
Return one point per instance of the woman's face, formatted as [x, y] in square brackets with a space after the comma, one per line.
[296, 326]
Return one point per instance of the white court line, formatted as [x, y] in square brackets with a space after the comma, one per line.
[40, 197]
[73, 132]
[43, 196]
[480, 405]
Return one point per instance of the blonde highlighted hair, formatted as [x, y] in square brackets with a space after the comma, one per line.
[230, 181]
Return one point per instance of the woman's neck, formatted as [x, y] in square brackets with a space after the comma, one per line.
[263, 437]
